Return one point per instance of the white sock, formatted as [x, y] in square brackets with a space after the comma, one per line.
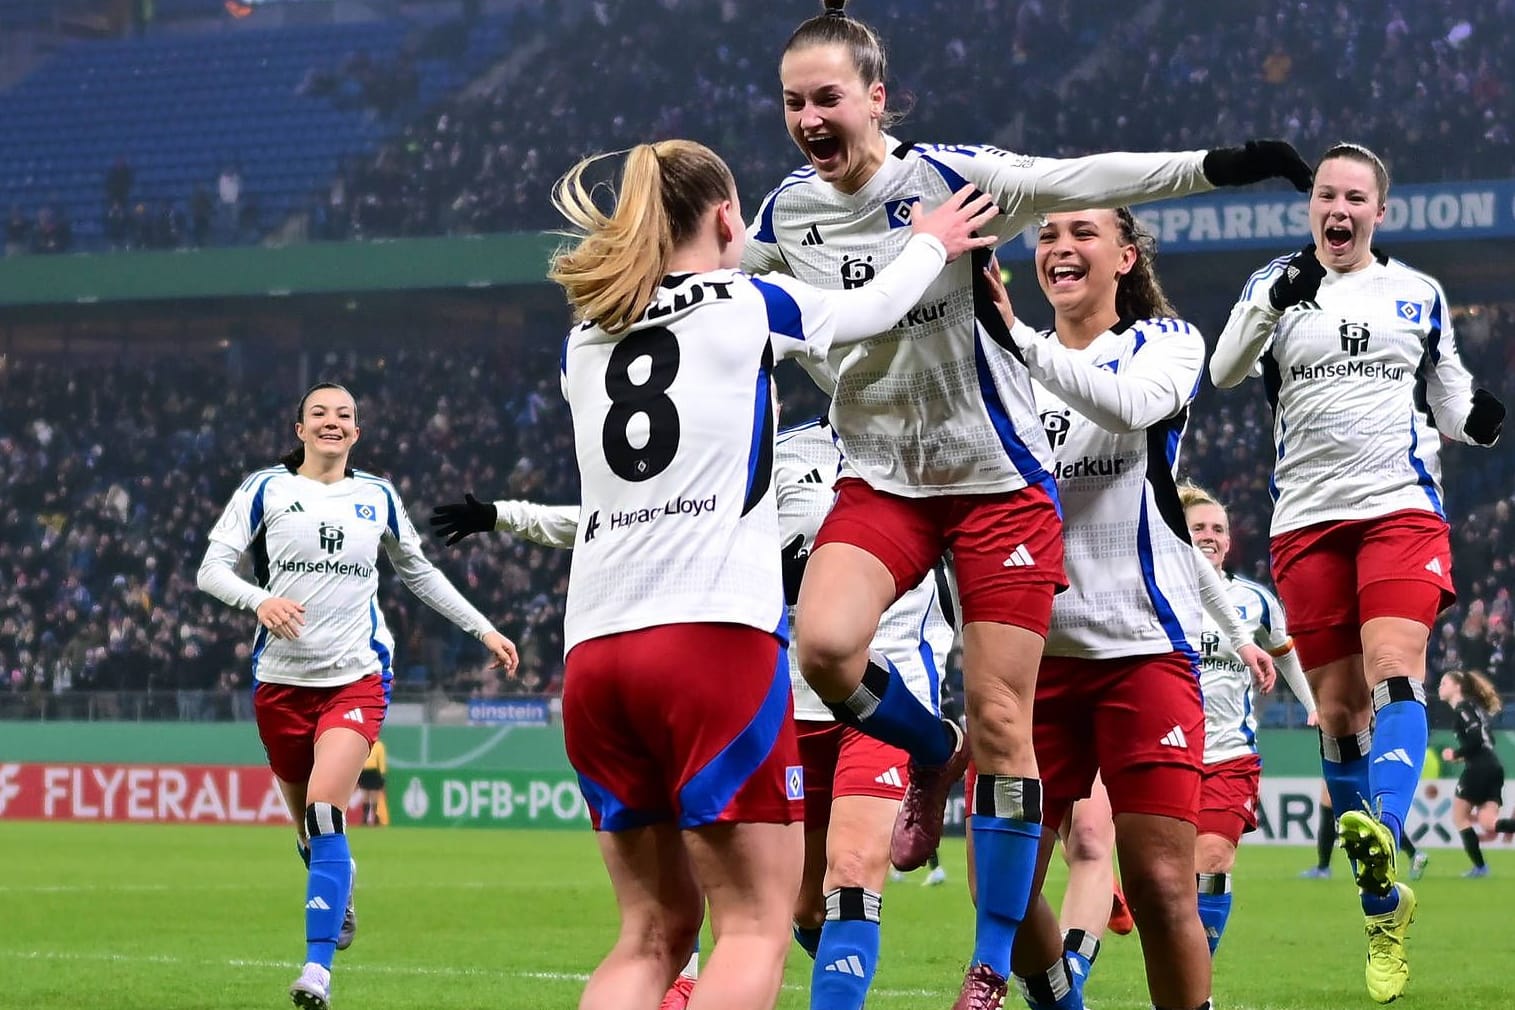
[692, 969]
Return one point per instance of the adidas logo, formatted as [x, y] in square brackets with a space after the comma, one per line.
[318, 903]
[1434, 565]
[813, 477]
[890, 778]
[356, 715]
[1398, 754]
[813, 237]
[1176, 738]
[849, 965]
[1020, 558]
[297, 507]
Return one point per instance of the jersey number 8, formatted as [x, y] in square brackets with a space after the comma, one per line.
[629, 398]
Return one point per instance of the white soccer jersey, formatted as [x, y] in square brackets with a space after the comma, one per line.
[1114, 413]
[318, 544]
[673, 427]
[1363, 380]
[1225, 681]
[927, 407]
[913, 633]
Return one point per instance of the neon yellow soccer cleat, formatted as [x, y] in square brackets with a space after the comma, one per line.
[1371, 848]
[1388, 970]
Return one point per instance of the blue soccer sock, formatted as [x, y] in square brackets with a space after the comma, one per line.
[1005, 819]
[848, 952]
[1081, 950]
[883, 707]
[1344, 765]
[329, 883]
[1053, 989]
[1398, 751]
[809, 938]
[1214, 906]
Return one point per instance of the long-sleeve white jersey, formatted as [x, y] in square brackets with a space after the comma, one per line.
[1225, 681]
[926, 407]
[1361, 380]
[1114, 413]
[913, 634]
[318, 545]
[673, 425]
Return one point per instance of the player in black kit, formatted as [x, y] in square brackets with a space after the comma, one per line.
[1481, 783]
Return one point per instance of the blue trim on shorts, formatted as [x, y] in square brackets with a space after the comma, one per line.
[709, 792]
[613, 814]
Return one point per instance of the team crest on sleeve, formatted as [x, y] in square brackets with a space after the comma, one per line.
[1410, 312]
[794, 782]
[899, 212]
[366, 511]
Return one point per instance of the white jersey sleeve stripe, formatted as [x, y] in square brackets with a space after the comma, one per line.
[1264, 274]
[255, 517]
[765, 231]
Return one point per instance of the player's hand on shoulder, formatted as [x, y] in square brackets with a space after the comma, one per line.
[1255, 161]
[956, 222]
[456, 520]
[283, 618]
[1299, 281]
[503, 651]
[1264, 675]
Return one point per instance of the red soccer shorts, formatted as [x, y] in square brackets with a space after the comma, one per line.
[1334, 577]
[291, 719]
[1007, 549]
[840, 761]
[1228, 798]
[1139, 721]
[692, 723]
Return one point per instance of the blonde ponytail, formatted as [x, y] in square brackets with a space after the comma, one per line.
[1191, 494]
[611, 274]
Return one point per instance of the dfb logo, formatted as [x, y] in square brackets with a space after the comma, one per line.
[1209, 643]
[857, 271]
[331, 537]
[1354, 338]
[899, 212]
[1055, 423]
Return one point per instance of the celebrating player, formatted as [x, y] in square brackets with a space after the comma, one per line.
[1480, 787]
[321, 658]
[1362, 371]
[1233, 770]
[1118, 692]
[692, 773]
[942, 444]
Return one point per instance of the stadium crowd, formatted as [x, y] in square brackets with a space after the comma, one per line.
[115, 473]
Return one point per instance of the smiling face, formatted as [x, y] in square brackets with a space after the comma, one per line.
[833, 115]
[1345, 207]
[1080, 258]
[328, 425]
[1210, 530]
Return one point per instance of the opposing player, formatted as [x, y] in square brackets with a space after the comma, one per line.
[321, 657]
[1118, 691]
[943, 448]
[1480, 787]
[371, 783]
[676, 706]
[1233, 769]
[1361, 368]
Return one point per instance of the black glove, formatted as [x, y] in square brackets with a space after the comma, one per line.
[1255, 161]
[794, 557]
[1486, 419]
[1300, 280]
[461, 519]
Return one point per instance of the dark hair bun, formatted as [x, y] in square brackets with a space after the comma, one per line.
[835, 8]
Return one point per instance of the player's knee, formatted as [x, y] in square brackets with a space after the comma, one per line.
[1340, 716]
[1391, 661]
[1089, 840]
[857, 868]
[999, 725]
[831, 660]
[1161, 894]
[1213, 854]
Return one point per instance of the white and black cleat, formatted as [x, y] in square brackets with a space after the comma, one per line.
[312, 990]
[349, 915]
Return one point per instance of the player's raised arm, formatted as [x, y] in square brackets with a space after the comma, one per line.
[1474, 416]
[548, 525]
[1271, 291]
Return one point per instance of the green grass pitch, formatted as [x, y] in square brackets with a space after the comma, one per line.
[124, 917]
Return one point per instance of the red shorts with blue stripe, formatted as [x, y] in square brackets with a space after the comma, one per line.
[291, 719]
[690, 723]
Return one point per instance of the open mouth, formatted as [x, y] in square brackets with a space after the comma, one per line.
[1338, 239]
[1208, 549]
[823, 148]
[1065, 276]
[331, 438]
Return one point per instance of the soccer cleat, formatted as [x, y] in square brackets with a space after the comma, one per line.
[1370, 846]
[350, 915]
[935, 878]
[1476, 872]
[1388, 970]
[1316, 873]
[677, 996]
[1418, 865]
[983, 989]
[918, 826]
[312, 990]
[895, 875]
[1121, 922]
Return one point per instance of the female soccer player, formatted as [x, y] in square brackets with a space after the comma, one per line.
[1361, 368]
[1480, 787]
[943, 447]
[1118, 692]
[1233, 770]
[371, 782]
[676, 707]
[853, 783]
[321, 658]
